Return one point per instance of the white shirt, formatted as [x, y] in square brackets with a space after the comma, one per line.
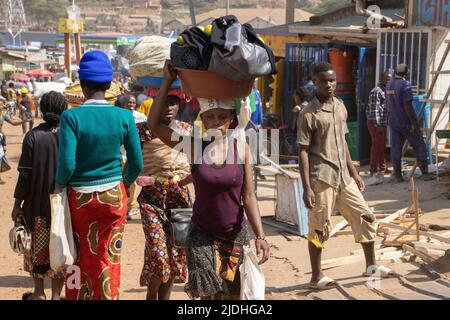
[139, 117]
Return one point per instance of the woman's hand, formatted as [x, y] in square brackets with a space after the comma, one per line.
[127, 187]
[262, 248]
[144, 181]
[169, 71]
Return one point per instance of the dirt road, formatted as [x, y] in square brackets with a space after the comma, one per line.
[287, 272]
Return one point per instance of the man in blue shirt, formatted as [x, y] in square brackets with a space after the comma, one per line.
[403, 122]
[311, 87]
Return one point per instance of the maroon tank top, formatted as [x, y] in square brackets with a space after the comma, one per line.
[218, 207]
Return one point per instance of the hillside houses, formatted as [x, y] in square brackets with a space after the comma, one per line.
[257, 17]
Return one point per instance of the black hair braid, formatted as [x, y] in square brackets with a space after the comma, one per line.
[53, 105]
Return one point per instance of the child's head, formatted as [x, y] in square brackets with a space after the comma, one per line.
[324, 78]
[53, 104]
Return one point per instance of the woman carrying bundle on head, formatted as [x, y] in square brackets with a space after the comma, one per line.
[37, 170]
[164, 178]
[225, 199]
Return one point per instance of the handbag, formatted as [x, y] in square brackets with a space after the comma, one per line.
[179, 220]
[63, 251]
[5, 166]
[19, 236]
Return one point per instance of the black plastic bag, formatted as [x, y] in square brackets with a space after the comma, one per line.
[195, 53]
[238, 53]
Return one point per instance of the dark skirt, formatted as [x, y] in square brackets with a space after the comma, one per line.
[204, 281]
[37, 260]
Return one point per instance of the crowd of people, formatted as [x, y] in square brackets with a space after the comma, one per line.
[390, 106]
[19, 102]
[69, 151]
[100, 153]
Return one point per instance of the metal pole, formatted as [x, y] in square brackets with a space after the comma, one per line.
[228, 7]
[192, 12]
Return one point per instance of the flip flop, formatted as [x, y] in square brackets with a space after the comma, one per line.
[379, 271]
[324, 283]
[27, 296]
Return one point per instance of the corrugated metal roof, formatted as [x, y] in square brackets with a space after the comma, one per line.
[352, 23]
[355, 20]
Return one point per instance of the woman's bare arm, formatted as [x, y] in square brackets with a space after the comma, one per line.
[164, 132]
[252, 209]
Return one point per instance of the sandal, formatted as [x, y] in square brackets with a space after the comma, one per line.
[379, 271]
[28, 295]
[323, 284]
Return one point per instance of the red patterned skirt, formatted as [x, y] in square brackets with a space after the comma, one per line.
[98, 221]
[161, 258]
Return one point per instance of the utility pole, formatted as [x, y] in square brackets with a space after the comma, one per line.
[290, 11]
[16, 22]
[192, 12]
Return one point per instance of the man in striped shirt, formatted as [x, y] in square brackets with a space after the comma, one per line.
[377, 115]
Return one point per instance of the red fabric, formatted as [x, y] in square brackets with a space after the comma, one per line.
[98, 221]
[377, 150]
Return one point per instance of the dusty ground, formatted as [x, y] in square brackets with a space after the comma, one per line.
[287, 272]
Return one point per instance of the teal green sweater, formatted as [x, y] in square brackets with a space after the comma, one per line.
[91, 136]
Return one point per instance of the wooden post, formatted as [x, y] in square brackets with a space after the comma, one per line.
[77, 41]
[68, 54]
[416, 213]
[415, 205]
[290, 11]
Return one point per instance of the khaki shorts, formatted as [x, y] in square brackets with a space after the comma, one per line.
[350, 202]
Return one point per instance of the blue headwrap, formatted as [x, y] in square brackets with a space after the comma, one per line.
[95, 66]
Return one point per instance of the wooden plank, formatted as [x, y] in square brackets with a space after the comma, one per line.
[416, 212]
[395, 215]
[406, 239]
[344, 233]
[425, 257]
[280, 225]
[433, 246]
[413, 286]
[436, 254]
[337, 262]
[422, 233]
[361, 251]
[339, 226]
[405, 231]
